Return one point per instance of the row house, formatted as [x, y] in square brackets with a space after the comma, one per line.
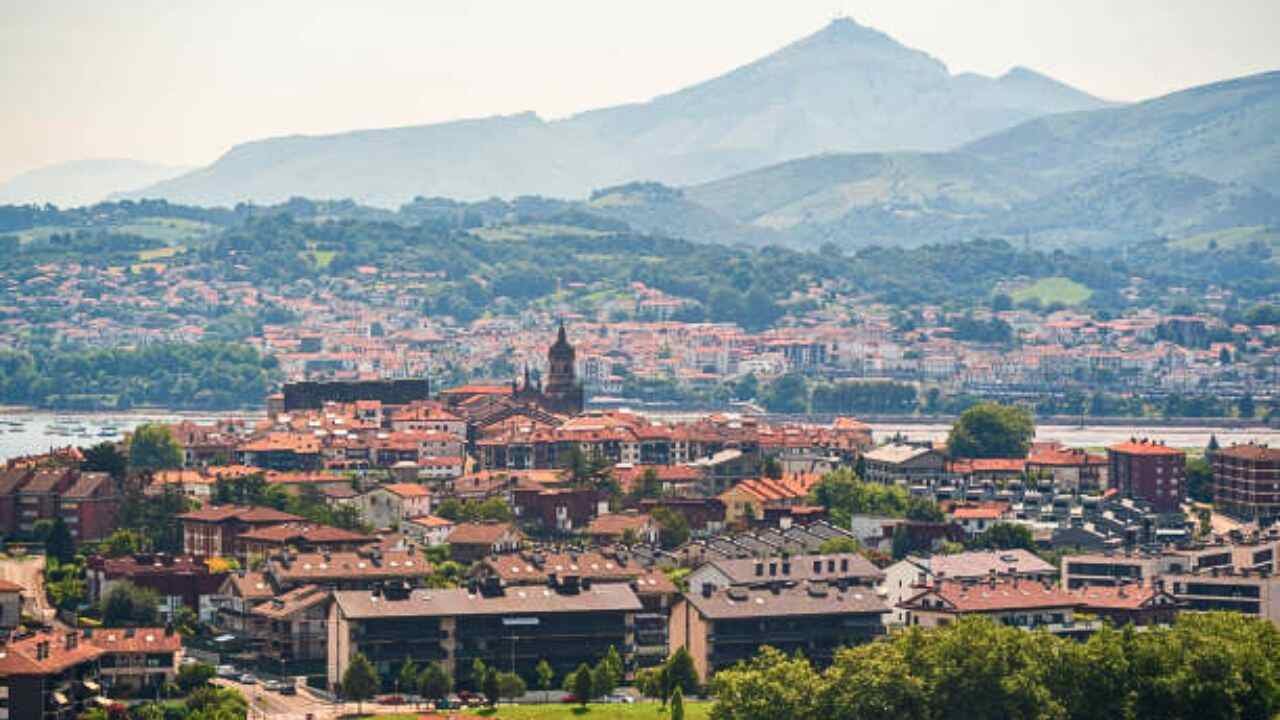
[747, 501]
[1071, 469]
[87, 502]
[179, 581]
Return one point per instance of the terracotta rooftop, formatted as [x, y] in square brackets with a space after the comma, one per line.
[135, 640]
[24, 656]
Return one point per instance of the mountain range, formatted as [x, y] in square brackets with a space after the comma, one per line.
[83, 182]
[1199, 161]
[846, 88]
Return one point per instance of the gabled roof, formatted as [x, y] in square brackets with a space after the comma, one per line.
[135, 640]
[480, 533]
[982, 596]
[22, 656]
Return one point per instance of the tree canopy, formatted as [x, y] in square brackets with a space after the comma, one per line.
[991, 430]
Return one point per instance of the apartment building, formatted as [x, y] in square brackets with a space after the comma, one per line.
[566, 623]
[722, 627]
[1246, 482]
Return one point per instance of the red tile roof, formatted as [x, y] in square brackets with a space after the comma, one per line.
[1144, 448]
[135, 640]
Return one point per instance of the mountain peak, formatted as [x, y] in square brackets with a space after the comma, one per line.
[845, 31]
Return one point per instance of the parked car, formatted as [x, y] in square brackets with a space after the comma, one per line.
[619, 698]
[271, 685]
[226, 671]
[248, 679]
[391, 700]
[288, 688]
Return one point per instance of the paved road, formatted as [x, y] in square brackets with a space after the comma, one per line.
[264, 704]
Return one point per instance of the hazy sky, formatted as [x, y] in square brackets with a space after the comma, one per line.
[179, 82]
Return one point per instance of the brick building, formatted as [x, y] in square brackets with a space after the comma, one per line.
[1150, 471]
[1246, 482]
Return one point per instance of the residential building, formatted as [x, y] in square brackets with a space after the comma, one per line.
[612, 528]
[10, 605]
[1070, 469]
[180, 581]
[136, 660]
[37, 498]
[746, 501]
[429, 530]
[48, 675]
[259, 543]
[1248, 592]
[1149, 471]
[722, 627]
[848, 568]
[906, 465]
[358, 570]
[215, 531]
[387, 506]
[902, 578]
[289, 630]
[1246, 482]
[1006, 600]
[473, 541]
[566, 624]
[90, 506]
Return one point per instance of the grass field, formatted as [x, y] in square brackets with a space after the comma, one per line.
[533, 231]
[638, 711]
[1229, 238]
[1053, 290]
[323, 258]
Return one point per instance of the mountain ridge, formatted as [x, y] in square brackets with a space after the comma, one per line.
[847, 87]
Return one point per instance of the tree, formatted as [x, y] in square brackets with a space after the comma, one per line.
[407, 678]
[195, 675]
[677, 705]
[991, 430]
[770, 685]
[123, 542]
[492, 686]
[580, 684]
[105, 457]
[59, 544]
[127, 604]
[510, 685]
[872, 682]
[1199, 480]
[152, 447]
[673, 528]
[478, 673]
[435, 682]
[1005, 536]
[1246, 407]
[603, 681]
[360, 681]
[546, 676]
[679, 672]
[787, 394]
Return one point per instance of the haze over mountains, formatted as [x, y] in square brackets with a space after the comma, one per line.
[83, 182]
[1196, 161]
[845, 136]
[846, 88]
